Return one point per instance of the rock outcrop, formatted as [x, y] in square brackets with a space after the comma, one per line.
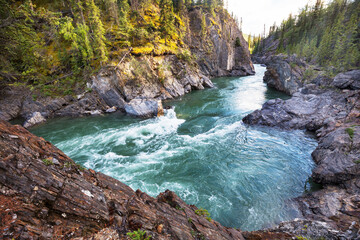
[147, 77]
[308, 109]
[144, 77]
[220, 48]
[349, 80]
[284, 73]
[34, 119]
[334, 116]
[45, 195]
[18, 102]
[144, 108]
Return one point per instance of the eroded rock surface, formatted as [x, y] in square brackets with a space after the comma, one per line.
[223, 50]
[284, 73]
[45, 195]
[334, 115]
[349, 80]
[18, 102]
[145, 108]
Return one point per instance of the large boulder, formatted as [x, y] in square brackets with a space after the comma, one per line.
[144, 108]
[303, 111]
[284, 73]
[104, 84]
[349, 80]
[34, 119]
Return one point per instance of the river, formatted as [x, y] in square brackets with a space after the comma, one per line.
[244, 176]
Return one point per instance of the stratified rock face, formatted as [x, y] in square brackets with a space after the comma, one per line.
[284, 73]
[216, 46]
[17, 102]
[148, 77]
[45, 195]
[335, 118]
[337, 155]
[303, 111]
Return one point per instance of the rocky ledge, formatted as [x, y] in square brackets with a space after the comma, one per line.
[284, 73]
[332, 111]
[45, 195]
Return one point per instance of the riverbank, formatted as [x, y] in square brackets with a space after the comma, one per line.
[200, 140]
[46, 195]
[135, 78]
[208, 139]
[331, 109]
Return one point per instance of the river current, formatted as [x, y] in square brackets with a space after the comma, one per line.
[244, 176]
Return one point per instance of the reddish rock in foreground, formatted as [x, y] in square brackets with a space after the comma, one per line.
[45, 195]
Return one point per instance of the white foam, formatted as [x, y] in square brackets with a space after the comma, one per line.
[148, 129]
[217, 133]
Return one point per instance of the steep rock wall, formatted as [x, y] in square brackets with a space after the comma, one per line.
[148, 77]
[218, 44]
[218, 49]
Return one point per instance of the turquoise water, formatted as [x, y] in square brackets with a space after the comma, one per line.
[244, 176]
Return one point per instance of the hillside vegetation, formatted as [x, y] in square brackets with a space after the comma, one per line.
[325, 35]
[53, 45]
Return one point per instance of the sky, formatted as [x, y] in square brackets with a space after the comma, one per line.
[256, 13]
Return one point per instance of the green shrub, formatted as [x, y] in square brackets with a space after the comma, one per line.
[186, 56]
[138, 235]
[47, 162]
[350, 131]
[357, 161]
[202, 212]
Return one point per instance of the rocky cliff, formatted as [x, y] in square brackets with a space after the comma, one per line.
[216, 48]
[219, 46]
[284, 73]
[334, 115]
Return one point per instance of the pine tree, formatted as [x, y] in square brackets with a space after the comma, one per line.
[97, 29]
[325, 47]
[123, 13]
[166, 19]
[113, 10]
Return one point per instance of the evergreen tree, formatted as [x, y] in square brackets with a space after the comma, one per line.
[97, 29]
[166, 19]
[123, 13]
